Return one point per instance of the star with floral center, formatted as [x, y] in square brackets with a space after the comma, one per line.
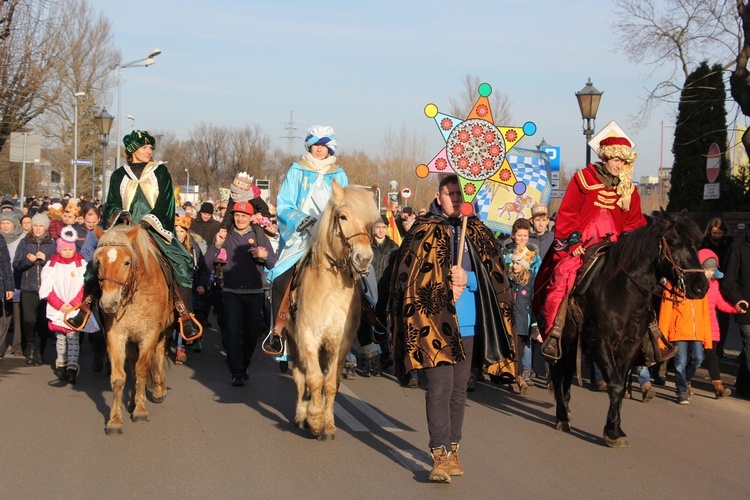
[475, 149]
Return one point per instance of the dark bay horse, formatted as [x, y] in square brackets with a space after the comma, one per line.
[138, 317]
[618, 306]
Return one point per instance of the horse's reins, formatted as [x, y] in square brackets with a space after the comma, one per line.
[128, 285]
[335, 263]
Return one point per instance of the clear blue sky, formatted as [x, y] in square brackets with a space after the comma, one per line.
[366, 66]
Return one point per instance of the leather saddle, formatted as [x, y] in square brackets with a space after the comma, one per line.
[593, 259]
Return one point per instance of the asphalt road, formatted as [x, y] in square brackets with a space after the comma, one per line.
[211, 440]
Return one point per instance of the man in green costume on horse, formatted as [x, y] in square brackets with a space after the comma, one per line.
[141, 192]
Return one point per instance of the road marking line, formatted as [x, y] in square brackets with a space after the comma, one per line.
[412, 460]
[375, 416]
[348, 419]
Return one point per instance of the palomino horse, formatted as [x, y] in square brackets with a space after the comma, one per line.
[617, 307]
[517, 206]
[138, 317]
[326, 303]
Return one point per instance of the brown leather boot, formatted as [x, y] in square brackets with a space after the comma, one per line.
[720, 391]
[660, 355]
[551, 348]
[440, 465]
[456, 469]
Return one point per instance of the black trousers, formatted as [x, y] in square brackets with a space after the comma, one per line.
[446, 399]
[34, 320]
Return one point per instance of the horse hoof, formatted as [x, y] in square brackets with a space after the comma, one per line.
[620, 442]
[326, 437]
[563, 426]
[159, 399]
[140, 418]
[113, 430]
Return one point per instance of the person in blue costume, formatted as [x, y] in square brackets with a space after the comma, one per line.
[300, 203]
[141, 192]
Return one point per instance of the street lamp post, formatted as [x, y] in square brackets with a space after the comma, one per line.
[75, 142]
[588, 101]
[104, 124]
[145, 62]
[187, 185]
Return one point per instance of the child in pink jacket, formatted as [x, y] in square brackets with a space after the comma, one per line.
[710, 263]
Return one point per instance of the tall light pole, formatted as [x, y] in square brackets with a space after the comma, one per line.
[104, 124]
[145, 62]
[75, 142]
[588, 100]
[187, 186]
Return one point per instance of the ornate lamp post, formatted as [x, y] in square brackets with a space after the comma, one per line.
[103, 123]
[588, 101]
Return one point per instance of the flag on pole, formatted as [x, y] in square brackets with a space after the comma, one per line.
[392, 232]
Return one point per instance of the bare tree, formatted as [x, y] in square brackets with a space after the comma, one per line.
[29, 53]
[675, 35]
[461, 106]
[85, 65]
[248, 150]
[207, 147]
[739, 80]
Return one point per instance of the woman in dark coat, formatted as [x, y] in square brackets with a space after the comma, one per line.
[31, 254]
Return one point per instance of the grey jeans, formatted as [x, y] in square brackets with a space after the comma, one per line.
[446, 399]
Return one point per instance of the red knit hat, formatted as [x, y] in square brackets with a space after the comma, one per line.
[615, 141]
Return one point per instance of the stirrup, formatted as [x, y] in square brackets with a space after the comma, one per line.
[192, 318]
[75, 310]
[550, 350]
[273, 348]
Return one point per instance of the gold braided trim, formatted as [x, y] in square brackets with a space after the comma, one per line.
[585, 183]
[608, 207]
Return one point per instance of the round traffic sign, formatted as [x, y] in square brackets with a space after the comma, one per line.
[713, 162]
[406, 193]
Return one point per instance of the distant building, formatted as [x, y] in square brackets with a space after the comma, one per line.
[48, 180]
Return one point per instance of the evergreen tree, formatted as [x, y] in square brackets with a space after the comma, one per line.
[701, 120]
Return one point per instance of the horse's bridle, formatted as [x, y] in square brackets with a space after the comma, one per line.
[677, 271]
[335, 263]
[129, 285]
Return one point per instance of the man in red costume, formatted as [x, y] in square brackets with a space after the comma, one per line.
[600, 202]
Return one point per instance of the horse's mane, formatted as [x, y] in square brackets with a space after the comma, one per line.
[359, 201]
[140, 246]
[644, 244]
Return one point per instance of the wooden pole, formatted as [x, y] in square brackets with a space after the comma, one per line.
[462, 241]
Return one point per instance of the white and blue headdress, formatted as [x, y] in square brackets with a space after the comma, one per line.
[322, 135]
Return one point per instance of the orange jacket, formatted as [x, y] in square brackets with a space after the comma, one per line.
[685, 320]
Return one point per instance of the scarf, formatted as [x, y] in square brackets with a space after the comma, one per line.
[12, 236]
[318, 165]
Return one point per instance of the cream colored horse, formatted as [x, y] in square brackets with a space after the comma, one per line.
[326, 304]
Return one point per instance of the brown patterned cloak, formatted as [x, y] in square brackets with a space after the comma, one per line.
[423, 315]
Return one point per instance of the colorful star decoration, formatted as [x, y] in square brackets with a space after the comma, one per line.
[475, 149]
